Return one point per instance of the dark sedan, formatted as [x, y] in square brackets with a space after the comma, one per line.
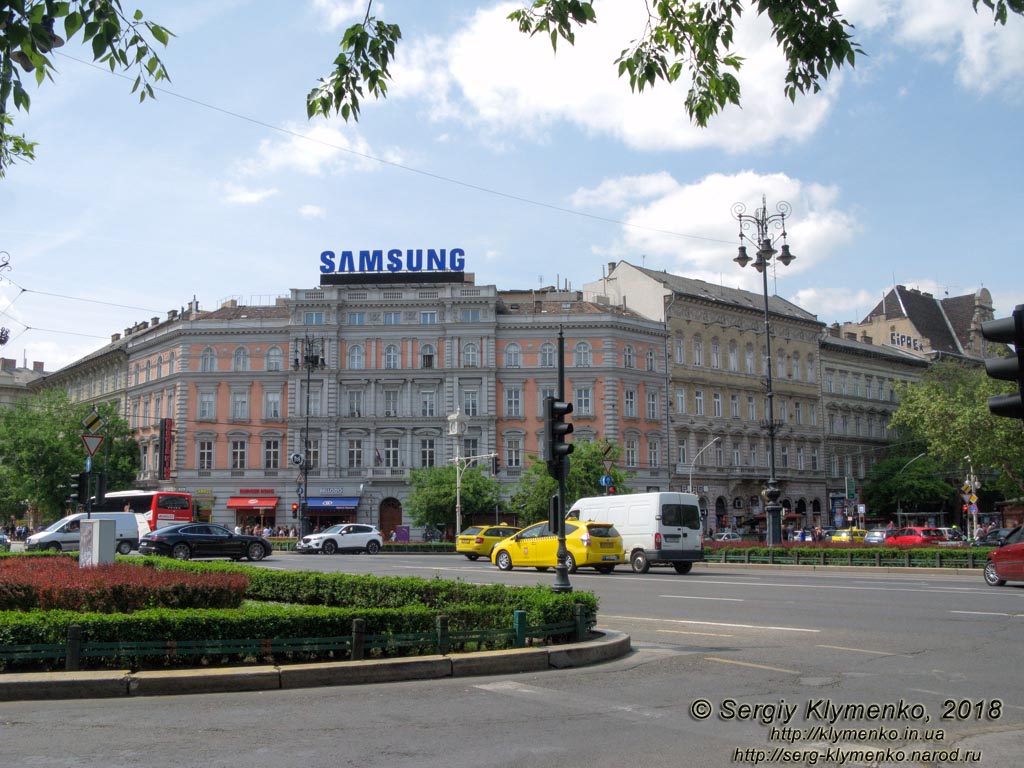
[992, 538]
[187, 540]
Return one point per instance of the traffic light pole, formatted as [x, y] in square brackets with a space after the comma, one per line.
[561, 568]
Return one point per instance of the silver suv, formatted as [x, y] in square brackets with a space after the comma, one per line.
[346, 537]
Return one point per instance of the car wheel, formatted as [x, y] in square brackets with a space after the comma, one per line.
[472, 557]
[329, 547]
[570, 562]
[55, 547]
[504, 561]
[639, 562]
[604, 568]
[991, 577]
[373, 547]
[124, 547]
[255, 551]
[683, 567]
[181, 551]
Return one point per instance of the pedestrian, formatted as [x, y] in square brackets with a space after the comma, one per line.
[393, 536]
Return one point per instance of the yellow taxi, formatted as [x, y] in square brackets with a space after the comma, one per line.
[478, 540]
[589, 544]
[849, 534]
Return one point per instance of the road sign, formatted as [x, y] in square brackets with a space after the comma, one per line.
[93, 422]
[973, 508]
[299, 491]
[88, 463]
[606, 480]
[608, 464]
[974, 499]
[92, 443]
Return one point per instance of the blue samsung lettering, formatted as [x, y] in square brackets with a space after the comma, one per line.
[414, 259]
[435, 259]
[327, 262]
[395, 260]
[347, 262]
[457, 258]
[371, 261]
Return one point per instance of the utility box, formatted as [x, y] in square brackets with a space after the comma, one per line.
[97, 542]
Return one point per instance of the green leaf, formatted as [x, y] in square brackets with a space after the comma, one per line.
[72, 23]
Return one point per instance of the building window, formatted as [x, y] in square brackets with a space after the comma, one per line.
[427, 454]
[471, 356]
[581, 357]
[734, 406]
[736, 454]
[170, 363]
[830, 383]
[796, 367]
[470, 446]
[629, 403]
[391, 357]
[355, 453]
[547, 355]
[716, 354]
[356, 358]
[652, 405]
[390, 402]
[207, 411]
[716, 405]
[428, 399]
[314, 318]
[355, 403]
[207, 363]
[428, 317]
[239, 406]
[240, 361]
[470, 315]
[800, 458]
[651, 358]
[204, 458]
[798, 412]
[627, 357]
[311, 399]
[783, 409]
[313, 453]
[734, 357]
[682, 451]
[583, 404]
[427, 356]
[785, 455]
[681, 400]
[698, 401]
[238, 454]
[271, 405]
[513, 356]
[513, 452]
[357, 318]
[513, 402]
[272, 454]
[748, 358]
[698, 351]
[275, 360]
[471, 402]
[814, 458]
[392, 457]
[631, 452]
[392, 318]
[810, 369]
[681, 350]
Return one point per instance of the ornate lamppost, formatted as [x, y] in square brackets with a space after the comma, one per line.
[311, 358]
[762, 223]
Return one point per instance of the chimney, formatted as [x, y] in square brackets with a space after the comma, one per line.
[7, 364]
[611, 266]
[850, 336]
[865, 338]
[127, 331]
[833, 330]
[38, 367]
[115, 337]
[172, 314]
[154, 321]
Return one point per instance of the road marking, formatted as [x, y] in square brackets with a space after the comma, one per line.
[935, 591]
[684, 632]
[749, 664]
[988, 613]
[860, 650]
[711, 623]
[692, 597]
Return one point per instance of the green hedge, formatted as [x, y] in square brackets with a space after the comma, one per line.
[857, 555]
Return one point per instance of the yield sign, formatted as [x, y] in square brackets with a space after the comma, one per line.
[608, 464]
[92, 443]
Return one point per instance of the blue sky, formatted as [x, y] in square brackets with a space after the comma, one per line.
[542, 167]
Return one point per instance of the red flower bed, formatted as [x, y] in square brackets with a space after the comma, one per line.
[49, 583]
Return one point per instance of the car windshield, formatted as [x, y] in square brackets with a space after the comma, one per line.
[601, 529]
[472, 531]
[931, 532]
[58, 525]
[333, 529]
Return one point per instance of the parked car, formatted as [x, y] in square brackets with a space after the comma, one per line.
[1006, 562]
[877, 535]
[727, 536]
[991, 539]
[187, 540]
[478, 540]
[345, 537]
[953, 534]
[591, 544]
[915, 534]
[848, 535]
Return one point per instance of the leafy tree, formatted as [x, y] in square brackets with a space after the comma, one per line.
[432, 499]
[41, 447]
[948, 411]
[28, 36]
[694, 36]
[586, 465]
[908, 482]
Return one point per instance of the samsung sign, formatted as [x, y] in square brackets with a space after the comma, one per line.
[383, 261]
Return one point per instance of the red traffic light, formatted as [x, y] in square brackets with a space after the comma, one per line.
[611, 490]
[295, 510]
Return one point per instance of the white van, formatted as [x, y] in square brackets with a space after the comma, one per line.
[63, 536]
[661, 528]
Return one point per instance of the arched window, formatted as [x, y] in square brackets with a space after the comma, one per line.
[240, 360]
[810, 369]
[698, 351]
[652, 360]
[513, 356]
[149, 369]
[547, 355]
[208, 360]
[170, 363]
[582, 357]
[356, 357]
[748, 358]
[716, 353]
[734, 362]
[391, 356]
[159, 367]
[428, 356]
[275, 360]
[627, 356]
[795, 367]
[471, 356]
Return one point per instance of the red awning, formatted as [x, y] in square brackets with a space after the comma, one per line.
[252, 502]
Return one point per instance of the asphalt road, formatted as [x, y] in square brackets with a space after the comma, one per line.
[938, 653]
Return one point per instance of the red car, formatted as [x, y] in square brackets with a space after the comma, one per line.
[1006, 562]
[915, 534]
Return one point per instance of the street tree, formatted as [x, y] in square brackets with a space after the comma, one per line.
[912, 483]
[948, 411]
[41, 447]
[531, 497]
[432, 499]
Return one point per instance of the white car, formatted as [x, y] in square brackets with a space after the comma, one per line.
[346, 537]
[727, 536]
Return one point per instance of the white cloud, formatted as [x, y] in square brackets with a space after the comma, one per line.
[836, 304]
[317, 149]
[342, 12]
[617, 193]
[239, 195]
[312, 212]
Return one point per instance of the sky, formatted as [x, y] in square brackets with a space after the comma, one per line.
[542, 166]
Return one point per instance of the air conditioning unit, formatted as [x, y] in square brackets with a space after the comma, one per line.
[353, 414]
[387, 413]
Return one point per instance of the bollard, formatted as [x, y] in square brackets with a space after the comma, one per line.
[358, 638]
[579, 617]
[74, 648]
[443, 640]
[519, 628]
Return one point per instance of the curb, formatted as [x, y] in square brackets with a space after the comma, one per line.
[894, 569]
[605, 645]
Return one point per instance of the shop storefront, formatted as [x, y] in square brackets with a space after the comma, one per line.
[325, 511]
[254, 511]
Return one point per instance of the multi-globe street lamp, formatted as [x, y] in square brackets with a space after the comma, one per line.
[761, 223]
[311, 358]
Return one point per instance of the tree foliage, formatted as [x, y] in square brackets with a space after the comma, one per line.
[28, 36]
[432, 499]
[586, 465]
[948, 411]
[41, 447]
[913, 483]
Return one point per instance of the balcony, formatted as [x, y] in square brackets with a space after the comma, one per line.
[389, 473]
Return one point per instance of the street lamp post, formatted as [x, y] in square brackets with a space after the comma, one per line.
[694, 462]
[762, 223]
[312, 358]
[899, 509]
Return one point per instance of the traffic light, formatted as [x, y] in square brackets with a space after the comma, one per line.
[1007, 330]
[611, 490]
[82, 481]
[295, 510]
[101, 487]
[553, 513]
[555, 430]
